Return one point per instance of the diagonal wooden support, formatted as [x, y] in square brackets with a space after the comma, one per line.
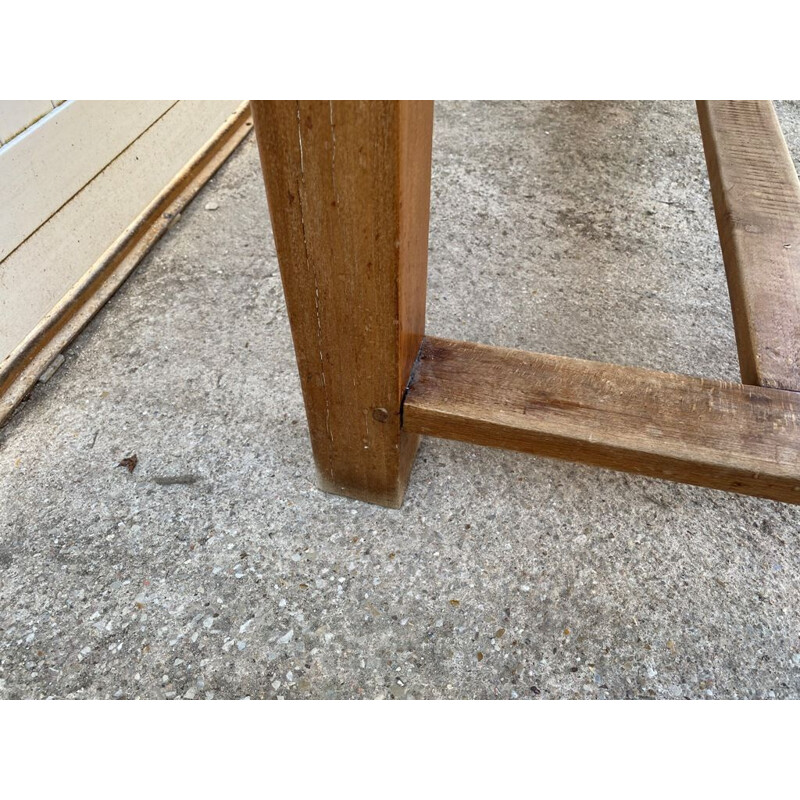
[756, 196]
[694, 430]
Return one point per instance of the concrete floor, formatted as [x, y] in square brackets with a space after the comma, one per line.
[216, 569]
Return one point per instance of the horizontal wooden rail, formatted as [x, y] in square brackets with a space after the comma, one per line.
[694, 430]
[756, 196]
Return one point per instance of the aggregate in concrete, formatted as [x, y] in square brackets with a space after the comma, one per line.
[216, 570]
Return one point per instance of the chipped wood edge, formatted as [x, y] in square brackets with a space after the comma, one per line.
[21, 369]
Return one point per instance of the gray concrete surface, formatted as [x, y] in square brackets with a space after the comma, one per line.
[216, 569]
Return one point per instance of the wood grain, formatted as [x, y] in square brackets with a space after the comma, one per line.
[348, 185]
[756, 196]
[693, 430]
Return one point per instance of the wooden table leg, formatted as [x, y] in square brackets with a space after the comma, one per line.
[348, 185]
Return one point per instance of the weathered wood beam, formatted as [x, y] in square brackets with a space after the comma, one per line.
[756, 196]
[693, 430]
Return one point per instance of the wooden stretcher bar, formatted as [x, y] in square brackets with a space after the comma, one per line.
[693, 430]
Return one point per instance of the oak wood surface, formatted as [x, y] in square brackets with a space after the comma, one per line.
[693, 430]
[756, 196]
[348, 185]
